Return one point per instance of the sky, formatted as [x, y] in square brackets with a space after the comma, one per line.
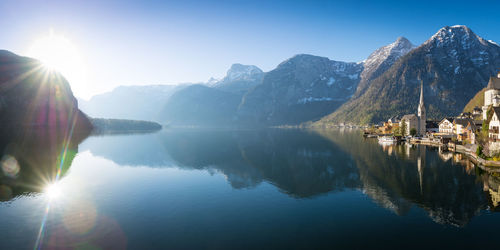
[168, 42]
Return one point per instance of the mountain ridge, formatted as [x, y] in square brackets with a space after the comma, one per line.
[453, 64]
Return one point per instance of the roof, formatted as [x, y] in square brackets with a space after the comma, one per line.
[450, 119]
[473, 126]
[393, 119]
[462, 121]
[410, 116]
[496, 110]
[494, 83]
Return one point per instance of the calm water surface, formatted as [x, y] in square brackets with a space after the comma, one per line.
[198, 189]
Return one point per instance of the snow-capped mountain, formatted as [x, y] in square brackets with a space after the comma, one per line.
[381, 60]
[460, 49]
[240, 78]
[453, 65]
[302, 88]
[240, 72]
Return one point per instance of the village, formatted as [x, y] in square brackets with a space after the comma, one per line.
[475, 133]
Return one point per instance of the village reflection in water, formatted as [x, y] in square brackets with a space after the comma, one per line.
[487, 176]
[300, 163]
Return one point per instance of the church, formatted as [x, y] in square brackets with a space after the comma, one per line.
[418, 122]
[491, 95]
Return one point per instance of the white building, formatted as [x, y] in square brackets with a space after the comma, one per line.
[446, 126]
[493, 133]
[492, 94]
[411, 121]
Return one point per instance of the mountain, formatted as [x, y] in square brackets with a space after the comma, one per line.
[381, 60]
[117, 126]
[212, 104]
[240, 78]
[302, 88]
[453, 65]
[131, 102]
[32, 96]
[200, 105]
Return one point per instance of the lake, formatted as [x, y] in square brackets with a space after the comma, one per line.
[241, 189]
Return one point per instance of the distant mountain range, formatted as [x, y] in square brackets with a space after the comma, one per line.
[453, 65]
[130, 102]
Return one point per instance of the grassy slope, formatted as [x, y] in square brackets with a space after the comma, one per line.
[477, 100]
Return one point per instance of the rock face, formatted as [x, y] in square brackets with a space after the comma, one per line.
[453, 65]
[240, 78]
[33, 96]
[300, 89]
[381, 60]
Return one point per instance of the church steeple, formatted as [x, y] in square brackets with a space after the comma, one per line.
[421, 111]
[421, 104]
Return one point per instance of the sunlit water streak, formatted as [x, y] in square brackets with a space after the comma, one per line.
[52, 187]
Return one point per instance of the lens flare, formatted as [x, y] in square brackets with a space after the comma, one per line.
[56, 52]
[53, 191]
[10, 166]
[80, 217]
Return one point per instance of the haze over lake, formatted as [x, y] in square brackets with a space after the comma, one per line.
[206, 188]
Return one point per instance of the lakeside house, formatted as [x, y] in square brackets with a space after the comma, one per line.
[473, 127]
[493, 132]
[446, 126]
[459, 125]
[391, 124]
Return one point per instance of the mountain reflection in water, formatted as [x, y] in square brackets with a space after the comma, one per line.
[309, 163]
[313, 167]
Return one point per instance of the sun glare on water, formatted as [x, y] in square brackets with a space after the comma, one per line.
[53, 191]
[58, 53]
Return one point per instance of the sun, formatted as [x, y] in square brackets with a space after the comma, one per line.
[58, 53]
[53, 191]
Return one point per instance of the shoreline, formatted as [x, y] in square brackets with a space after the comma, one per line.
[487, 165]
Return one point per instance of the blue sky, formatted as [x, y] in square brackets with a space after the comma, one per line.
[165, 42]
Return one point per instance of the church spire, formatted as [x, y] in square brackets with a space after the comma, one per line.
[421, 104]
[421, 112]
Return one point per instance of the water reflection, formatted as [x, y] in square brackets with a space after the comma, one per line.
[450, 193]
[301, 164]
[31, 160]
